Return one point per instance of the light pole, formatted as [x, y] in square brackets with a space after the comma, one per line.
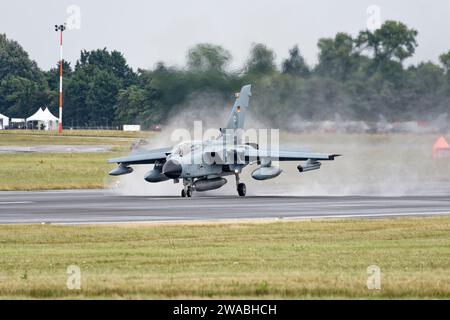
[60, 28]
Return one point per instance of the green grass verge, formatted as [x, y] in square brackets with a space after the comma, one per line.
[75, 137]
[82, 133]
[309, 259]
[40, 171]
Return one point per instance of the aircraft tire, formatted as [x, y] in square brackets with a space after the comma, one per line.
[183, 193]
[241, 189]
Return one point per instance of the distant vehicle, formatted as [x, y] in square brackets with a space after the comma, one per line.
[202, 165]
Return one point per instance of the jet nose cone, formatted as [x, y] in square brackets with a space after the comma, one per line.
[172, 169]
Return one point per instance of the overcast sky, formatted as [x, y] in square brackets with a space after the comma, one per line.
[148, 31]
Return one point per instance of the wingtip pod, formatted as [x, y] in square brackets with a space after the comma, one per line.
[332, 156]
[309, 166]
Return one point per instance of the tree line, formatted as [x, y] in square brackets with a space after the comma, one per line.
[359, 78]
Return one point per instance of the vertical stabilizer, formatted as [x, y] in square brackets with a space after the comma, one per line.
[237, 115]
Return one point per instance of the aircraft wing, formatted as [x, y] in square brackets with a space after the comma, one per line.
[285, 155]
[148, 157]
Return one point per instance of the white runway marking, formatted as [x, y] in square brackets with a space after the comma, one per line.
[15, 202]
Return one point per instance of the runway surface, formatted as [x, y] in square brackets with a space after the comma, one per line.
[98, 206]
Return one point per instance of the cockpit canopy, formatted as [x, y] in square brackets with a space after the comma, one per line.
[185, 148]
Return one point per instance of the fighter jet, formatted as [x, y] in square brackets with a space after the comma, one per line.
[202, 165]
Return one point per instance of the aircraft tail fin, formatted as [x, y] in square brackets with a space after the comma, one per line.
[237, 116]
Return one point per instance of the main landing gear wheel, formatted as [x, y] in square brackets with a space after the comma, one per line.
[241, 189]
[187, 192]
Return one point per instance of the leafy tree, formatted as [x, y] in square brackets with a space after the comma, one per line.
[138, 105]
[114, 62]
[323, 97]
[22, 84]
[21, 96]
[76, 90]
[426, 78]
[130, 103]
[393, 72]
[337, 57]
[92, 88]
[261, 60]
[101, 98]
[392, 41]
[171, 84]
[14, 61]
[295, 65]
[52, 80]
[445, 60]
[52, 75]
[206, 57]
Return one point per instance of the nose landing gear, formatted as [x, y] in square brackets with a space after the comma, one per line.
[187, 190]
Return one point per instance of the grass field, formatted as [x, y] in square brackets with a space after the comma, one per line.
[309, 259]
[44, 171]
[39, 171]
[71, 137]
[82, 133]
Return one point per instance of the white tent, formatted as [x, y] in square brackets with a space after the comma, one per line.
[52, 120]
[44, 118]
[4, 121]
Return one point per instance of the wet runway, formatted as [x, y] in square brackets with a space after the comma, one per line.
[99, 206]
